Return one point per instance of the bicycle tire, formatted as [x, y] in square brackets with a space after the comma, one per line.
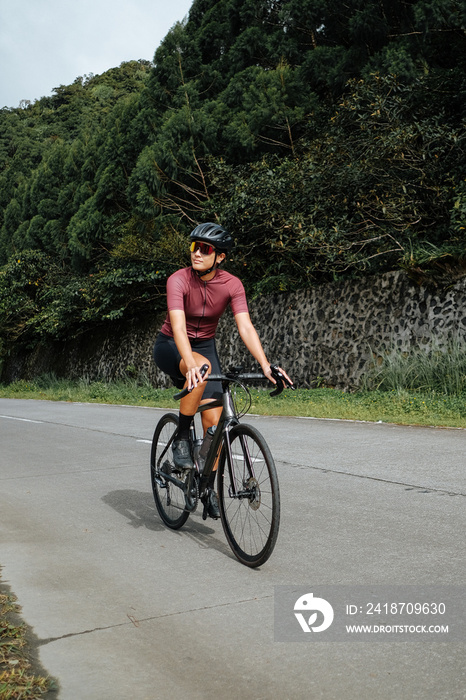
[251, 520]
[169, 499]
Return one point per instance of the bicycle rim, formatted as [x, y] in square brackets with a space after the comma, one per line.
[169, 499]
[249, 496]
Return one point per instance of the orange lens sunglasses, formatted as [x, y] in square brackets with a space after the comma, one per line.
[205, 248]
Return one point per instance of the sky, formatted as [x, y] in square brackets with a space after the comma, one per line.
[48, 43]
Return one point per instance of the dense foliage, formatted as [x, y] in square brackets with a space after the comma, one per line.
[328, 136]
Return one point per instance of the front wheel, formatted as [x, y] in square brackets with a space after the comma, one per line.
[249, 496]
[169, 498]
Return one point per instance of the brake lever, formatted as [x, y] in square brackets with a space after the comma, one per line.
[278, 390]
[187, 391]
[281, 381]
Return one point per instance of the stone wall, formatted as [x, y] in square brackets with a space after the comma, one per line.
[327, 334]
[333, 331]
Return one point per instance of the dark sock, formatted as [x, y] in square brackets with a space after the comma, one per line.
[183, 426]
[212, 479]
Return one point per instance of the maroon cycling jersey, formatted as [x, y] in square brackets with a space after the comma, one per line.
[203, 302]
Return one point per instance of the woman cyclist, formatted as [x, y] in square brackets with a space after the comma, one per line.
[197, 296]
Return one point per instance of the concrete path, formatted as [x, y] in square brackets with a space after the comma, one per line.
[125, 609]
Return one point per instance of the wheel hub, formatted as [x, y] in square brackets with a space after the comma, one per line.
[252, 486]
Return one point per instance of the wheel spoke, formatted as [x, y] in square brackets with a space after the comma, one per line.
[169, 499]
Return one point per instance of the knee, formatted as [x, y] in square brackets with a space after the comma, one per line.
[203, 361]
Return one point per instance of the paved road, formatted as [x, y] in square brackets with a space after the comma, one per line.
[124, 609]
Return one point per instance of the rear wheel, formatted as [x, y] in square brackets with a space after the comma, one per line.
[249, 496]
[169, 498]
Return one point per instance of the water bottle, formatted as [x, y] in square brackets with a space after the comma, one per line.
[205, 447]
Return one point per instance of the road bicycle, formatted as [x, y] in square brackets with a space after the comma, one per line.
[247, 483]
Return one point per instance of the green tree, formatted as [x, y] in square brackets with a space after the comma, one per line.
[329, 134]
[374, 194]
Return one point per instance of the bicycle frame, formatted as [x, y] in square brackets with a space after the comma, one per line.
[247, 483]
[228, 419]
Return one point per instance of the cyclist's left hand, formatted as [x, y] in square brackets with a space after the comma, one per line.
[268, 373]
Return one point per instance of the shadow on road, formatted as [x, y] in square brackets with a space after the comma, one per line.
[137, 506]
[139, 509]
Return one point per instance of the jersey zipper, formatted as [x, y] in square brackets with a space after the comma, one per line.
[203, 310]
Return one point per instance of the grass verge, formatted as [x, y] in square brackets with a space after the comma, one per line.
[395, 406]
[20, 677]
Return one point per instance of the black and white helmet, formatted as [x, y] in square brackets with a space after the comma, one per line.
[213, 234]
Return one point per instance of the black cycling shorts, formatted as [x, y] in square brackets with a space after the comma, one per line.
[167, 358]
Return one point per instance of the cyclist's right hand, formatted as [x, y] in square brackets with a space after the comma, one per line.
[196, 375]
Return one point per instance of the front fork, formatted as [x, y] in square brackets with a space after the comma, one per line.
[244, 490]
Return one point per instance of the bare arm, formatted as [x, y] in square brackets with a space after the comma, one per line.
[250, 338]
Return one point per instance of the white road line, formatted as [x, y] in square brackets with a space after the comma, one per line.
[148, 442]
[26, 420]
